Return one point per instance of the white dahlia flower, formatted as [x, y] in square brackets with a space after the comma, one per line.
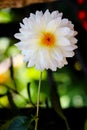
[46, 40]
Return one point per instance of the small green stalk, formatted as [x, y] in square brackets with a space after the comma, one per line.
[38, 100]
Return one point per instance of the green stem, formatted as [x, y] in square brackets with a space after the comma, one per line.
[67, 125]
[38, 100]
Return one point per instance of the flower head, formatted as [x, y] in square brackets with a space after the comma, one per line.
[46, 40]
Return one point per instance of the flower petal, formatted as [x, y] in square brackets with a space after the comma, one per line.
[63, 31]
[62, 41]
[53, 25]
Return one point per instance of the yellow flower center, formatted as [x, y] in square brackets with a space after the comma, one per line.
[48, 39]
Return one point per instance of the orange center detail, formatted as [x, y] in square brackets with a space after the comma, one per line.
[48, 39]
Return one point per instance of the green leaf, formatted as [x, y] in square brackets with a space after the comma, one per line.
[19, 123]
[85, 125]
[29, 94]
[55, 99]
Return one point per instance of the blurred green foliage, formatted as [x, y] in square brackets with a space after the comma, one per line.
[5, 16]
